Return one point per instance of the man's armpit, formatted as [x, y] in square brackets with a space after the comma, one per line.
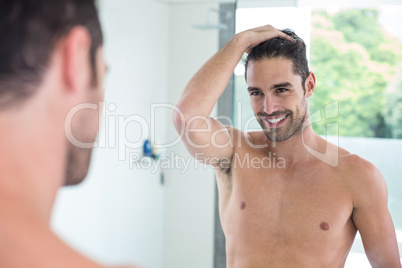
[224, 165]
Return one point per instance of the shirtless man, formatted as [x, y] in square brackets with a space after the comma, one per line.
[51, 60]
[306, 214]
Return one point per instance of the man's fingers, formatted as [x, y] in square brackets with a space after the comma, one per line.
[285, 36]
[279, 34]
[270, 28]
[264, 33]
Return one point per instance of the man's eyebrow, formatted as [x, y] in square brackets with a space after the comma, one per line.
[253, 88]
[285, 84]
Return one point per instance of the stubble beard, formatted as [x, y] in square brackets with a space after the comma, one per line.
[77, 164]
[294, 129]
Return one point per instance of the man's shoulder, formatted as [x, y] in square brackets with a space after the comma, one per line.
[354, 163]
[242, 138]
[258, 136]
[235, 130]
[359, 172]
[364, 180]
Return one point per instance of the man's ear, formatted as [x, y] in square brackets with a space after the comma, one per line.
[309, 84]
[76, 55]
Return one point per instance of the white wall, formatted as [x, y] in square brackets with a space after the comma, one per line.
[116, 215]
[189, 197]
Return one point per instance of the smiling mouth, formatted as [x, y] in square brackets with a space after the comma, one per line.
[275, 121]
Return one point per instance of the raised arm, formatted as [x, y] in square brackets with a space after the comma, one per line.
[206, 138]
[373, 220]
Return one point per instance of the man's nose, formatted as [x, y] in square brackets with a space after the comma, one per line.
[270, 105]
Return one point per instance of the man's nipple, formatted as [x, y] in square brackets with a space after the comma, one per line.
[242, 205]
[324, 226]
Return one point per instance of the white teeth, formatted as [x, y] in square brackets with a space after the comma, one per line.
[275, 120]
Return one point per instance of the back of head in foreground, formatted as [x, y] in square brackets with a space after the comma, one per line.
[51, 73]
[51, 60]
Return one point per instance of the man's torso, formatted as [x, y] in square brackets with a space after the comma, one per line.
[274, 215]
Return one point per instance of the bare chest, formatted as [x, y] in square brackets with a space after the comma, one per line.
[308, 206]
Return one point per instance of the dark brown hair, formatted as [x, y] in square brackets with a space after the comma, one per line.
[29, 31]
[283, 48]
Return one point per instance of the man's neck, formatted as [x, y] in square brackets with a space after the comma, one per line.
[31, 163]
[295, 149]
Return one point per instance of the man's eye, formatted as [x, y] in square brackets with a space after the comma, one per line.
[255, 93]
[281, 90]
